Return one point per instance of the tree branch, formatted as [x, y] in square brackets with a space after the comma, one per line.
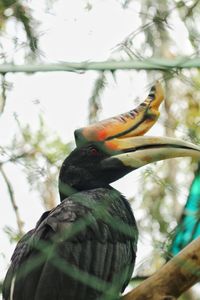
[173, 279]
[3, 94]
[13, 202]
[111, 65]
[191, 9]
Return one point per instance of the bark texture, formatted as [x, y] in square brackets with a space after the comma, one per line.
[173, 279]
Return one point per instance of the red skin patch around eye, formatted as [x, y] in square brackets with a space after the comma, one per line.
[94, 152]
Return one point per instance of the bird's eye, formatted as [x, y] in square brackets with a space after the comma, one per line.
[94, 151]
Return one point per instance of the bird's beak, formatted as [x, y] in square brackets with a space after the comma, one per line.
[122, 137]
[136, 122]
[136, 152]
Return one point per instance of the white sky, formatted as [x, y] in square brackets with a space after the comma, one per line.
[69, 33]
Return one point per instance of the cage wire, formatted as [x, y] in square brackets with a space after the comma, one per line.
[50, 250]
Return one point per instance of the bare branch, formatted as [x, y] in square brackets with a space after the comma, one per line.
[191, 9]
[173, 279]
[20, 223]
[112, 65]
[3, 94]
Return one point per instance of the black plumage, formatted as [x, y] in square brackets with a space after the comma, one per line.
[92, 230]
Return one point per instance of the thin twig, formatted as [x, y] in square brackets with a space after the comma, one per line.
[20, 223]
[191, 8]
[3, 94]
[14, 158]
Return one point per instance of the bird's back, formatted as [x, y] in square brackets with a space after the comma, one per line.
[81, 249]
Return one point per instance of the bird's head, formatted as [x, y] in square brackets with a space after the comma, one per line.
[108, 150]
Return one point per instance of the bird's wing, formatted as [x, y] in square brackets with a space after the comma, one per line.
[16, 259]
[20, 253]
[79, 239]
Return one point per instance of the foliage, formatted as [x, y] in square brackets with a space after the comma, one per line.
[40, 155]
[94, 101]
[22, 13]
[160, 197]
[161, 193]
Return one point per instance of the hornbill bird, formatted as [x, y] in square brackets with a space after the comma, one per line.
[85, 248]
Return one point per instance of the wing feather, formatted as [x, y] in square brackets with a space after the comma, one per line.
[96, 248]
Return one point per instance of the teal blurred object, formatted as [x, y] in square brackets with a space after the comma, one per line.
[189, 226]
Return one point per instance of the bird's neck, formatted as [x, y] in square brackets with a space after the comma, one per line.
[66, 190]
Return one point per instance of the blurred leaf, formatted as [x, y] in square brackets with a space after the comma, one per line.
[40, 155]
[12, 234]
[94, 101]
[14, 8]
